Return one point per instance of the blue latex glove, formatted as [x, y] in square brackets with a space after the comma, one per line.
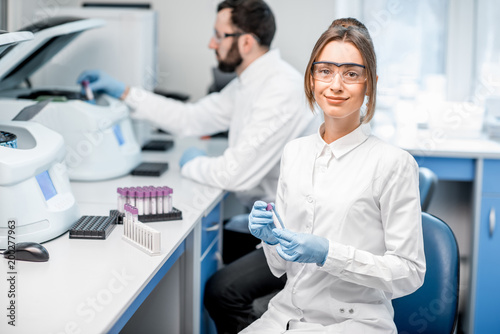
[100, 81]
[260, 223]
[190, 154]
[301, 247]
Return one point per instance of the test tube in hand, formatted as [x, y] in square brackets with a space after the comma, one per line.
[88, 92]
[276, 217]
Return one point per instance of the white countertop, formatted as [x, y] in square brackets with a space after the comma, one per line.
[440, 143]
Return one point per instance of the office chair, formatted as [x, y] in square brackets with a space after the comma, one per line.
[427, 184]
[433, 308]
[220, 80]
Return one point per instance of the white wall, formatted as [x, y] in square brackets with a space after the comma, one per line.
[185, 28]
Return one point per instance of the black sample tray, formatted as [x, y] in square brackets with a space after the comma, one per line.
[150, 169]
[92, 227]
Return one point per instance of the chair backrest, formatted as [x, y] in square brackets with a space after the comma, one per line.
[427, 184]
[433, 308]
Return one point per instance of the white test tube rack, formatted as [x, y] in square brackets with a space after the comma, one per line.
[142, 236]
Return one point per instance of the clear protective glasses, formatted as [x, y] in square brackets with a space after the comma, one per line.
[219, 37]
[350, 73]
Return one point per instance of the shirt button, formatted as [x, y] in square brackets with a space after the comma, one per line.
[351, 311]
[342, 310]
[310, 199]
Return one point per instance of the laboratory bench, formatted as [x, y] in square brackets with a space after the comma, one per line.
[109, 286]
[476, 160]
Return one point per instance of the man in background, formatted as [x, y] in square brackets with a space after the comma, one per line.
[262, 109]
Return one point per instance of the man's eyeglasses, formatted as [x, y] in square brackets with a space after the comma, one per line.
[350, 73]
[218, 38]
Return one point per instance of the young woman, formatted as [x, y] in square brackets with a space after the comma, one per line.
[349, 202]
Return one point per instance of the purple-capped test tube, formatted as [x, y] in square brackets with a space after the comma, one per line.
[125, 193]
[159, 200]
[167, 202]
[135, 214]
[147, 201]
[276, 217]
[153, 200]
[121, 199]
[130, 222]
[132, 192]
[88, 91]
[170, 199]
[126, 219]
[140, 201]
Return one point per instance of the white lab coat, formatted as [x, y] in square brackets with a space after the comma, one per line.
[263, 109]
[362, 195]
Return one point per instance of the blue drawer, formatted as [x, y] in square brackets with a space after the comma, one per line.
[209, 266]
[210, 227]
[491, 177]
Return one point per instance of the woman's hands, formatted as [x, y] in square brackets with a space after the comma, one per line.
[296, 247]
[260, 223]
[301, 247]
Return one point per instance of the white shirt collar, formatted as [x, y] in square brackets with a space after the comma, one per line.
[344, 144]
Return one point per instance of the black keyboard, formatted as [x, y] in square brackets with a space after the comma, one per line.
[93, 227]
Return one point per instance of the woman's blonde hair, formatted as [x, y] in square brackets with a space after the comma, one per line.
[352, 31]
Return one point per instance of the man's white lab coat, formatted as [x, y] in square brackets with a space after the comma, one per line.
[263, 109]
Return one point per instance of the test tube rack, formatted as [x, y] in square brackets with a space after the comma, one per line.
[153, 203]
[142, 237]
[146, 239]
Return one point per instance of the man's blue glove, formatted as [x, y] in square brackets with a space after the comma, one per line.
[301, 247]
[238, 223]
[260, 223]
[190, 154]
[100, 81]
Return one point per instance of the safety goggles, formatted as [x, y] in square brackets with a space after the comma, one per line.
[350, 73]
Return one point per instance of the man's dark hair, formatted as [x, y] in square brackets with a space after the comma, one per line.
[252, 16]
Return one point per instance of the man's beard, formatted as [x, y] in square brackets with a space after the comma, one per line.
[233, 59]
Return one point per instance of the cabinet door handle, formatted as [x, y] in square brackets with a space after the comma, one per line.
[214, 227]
[218, 257]
[492, 221]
